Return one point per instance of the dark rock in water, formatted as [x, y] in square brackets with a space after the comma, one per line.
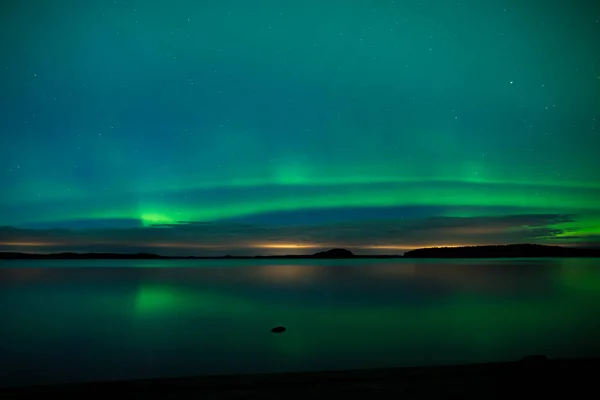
[279, 329]
[334, 253]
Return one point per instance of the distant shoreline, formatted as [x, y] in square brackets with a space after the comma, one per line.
[111, 256]
[491, 251]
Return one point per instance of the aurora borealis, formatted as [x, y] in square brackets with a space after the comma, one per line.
[266, 127]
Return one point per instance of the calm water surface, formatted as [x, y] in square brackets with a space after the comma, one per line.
[118, 319]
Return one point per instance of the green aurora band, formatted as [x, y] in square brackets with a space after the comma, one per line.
[128, 112]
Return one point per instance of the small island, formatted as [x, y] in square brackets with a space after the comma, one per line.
[334, 253]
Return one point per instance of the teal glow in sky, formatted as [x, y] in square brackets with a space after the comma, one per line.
[292, 126]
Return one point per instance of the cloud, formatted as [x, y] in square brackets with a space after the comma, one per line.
[192, 237]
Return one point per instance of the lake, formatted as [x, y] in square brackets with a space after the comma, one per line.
[79, 320]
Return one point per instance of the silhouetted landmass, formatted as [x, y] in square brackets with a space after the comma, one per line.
[498, 251]
[334, 253]
[81, 256]
[502, 251]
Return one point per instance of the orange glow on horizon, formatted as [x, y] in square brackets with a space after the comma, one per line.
[331, 246]
[410, 247]
[29, 244]
[286, 246]
[187, 245]
[239, 246]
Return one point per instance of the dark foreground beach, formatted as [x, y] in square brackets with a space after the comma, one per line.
[533, 377]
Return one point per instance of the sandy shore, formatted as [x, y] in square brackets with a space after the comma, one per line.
[534, 377]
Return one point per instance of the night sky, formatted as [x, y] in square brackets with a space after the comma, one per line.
[267, 127]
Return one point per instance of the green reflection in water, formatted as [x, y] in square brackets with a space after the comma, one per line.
[580, 275]
[217, 320]
[467, 321]
[152, 299]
